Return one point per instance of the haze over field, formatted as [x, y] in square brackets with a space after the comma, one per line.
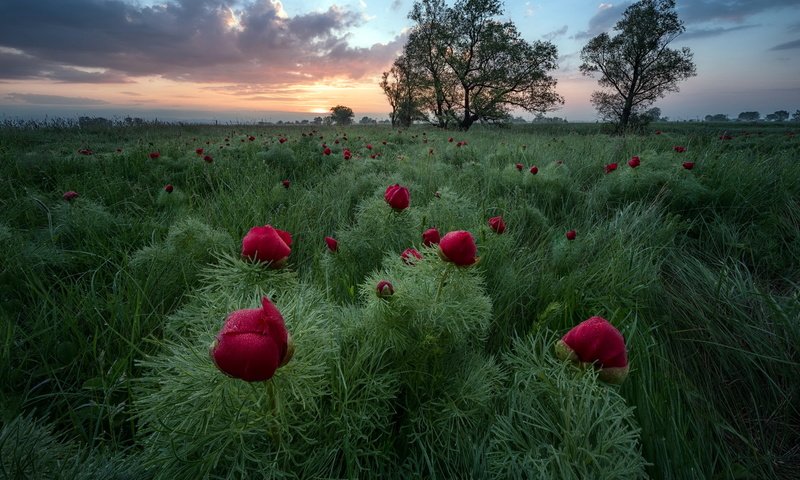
[247, 60]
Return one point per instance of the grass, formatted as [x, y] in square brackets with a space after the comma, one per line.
[108, 303]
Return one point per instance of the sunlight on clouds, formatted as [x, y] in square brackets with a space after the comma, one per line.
[605, 6]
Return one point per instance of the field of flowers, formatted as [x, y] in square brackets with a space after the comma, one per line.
[399, 304]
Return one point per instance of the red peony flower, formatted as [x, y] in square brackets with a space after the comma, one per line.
[458, 247]
[168, 188]
[688, 165]
[679, 148]
[397, 197]
[346, 153]
[286, 183]
[70, 196]
[497, 224]
[268, 245]
[208, 159]
[86, 151]
[384, 289]
[610, 167]
[199, 151]
[327, 151]
[282, 140]
[658, 132]
[430, 237]
[534, 170]
[333, 245]
[450, 139]
[519, 166]
[251, 138]
[253, 343]
[571, 235]
[634, 162]
[596, 342]
[410, 256]
[369, 146]
[154, 155]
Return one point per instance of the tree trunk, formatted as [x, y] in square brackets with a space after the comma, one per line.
[626, 114]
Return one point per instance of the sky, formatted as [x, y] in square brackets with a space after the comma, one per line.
[248, 60]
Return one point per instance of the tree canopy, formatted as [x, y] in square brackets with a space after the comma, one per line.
[462, 64]
[341, 115]
[635, 66]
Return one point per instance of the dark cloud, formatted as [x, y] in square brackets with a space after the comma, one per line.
[787, 45]
[34, 99]
[738, 11]
[550, 36]
[693, 12]
[192, 40]
[712, 32]
[602, 21]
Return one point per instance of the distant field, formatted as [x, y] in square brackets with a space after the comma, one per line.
[109, 302]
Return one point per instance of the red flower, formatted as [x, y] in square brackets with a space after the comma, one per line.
[397, 197]
[70, 196]
[347, 154]
[679, 148]
[610, 167]
[430, 237]
[458, 247]
[251, 138]
[519, 166]
[281, 140]
[208, 159]
[199, 151]
[658, 132]
[267, 244]
[410, 256]
[384, 289]
[634, 162]
[86, 151]
[333, 245]
[154, 155]
[450, 139]
[571, 235]
[286, 183]
[327, 151]
[688, 165]
[597, 342]
[253, 343]
[497, 224]
[534, 170]
[168, 188]
[369, 146]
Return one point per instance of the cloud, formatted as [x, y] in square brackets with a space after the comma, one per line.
[35, 99]
[603, 20]
[787, 45]
[737, 11]
[713, 31]
[694, 12]
[550, 36]
[396, 4]
[186, 40]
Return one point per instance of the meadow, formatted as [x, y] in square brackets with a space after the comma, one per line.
[109, 302]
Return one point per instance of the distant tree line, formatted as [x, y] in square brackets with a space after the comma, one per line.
[779, 116]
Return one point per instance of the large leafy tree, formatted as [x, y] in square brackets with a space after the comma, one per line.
[465, 65]
[341, 115]
[635, 66]
[400, 85]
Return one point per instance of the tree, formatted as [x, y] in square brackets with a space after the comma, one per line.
[717, 117]
[653, 115]
[341, 115]
[463, 65]
[779, 116]
[636, 67]
[749, 116]
[400, 86]
[796, 116]
[367, 121]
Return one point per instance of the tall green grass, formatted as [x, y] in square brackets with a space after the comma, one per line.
[108, 303]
